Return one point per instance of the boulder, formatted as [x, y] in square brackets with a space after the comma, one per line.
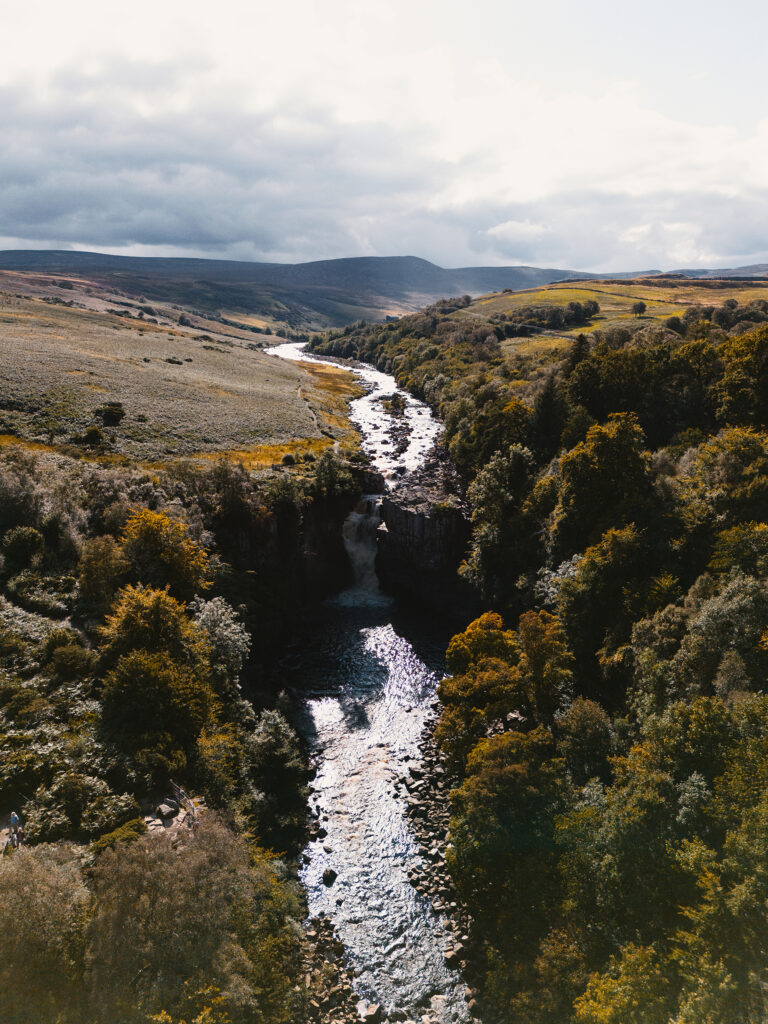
[329, 876]
[371, 1014]
[453, 956]
[165, 810]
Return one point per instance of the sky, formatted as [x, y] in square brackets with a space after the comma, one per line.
[587, 135]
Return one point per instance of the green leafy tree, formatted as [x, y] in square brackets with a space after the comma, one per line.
[503, 536]
[155, 709]
[502, 827]
[605, 483]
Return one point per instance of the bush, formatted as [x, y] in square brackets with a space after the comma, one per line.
[93, 436]
[111, 413]
[20, 546]
[76, 802]
[127, 833]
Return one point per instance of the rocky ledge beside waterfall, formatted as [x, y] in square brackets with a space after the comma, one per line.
[423, 537]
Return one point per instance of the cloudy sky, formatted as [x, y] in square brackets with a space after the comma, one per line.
[588, 135]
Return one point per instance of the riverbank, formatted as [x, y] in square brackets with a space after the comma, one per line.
[428, 786]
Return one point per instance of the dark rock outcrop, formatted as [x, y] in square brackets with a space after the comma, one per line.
[419, 553]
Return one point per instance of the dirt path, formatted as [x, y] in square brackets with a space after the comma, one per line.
[312, 412]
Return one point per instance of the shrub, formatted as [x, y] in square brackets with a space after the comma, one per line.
[76, 801]
[127, 833]
[108, 813]
[71, 663]
[20, 546]
[111, 413]
[93, 436]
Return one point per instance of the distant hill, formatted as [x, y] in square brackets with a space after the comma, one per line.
[302, 295]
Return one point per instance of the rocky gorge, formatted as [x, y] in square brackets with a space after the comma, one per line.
[366, 687]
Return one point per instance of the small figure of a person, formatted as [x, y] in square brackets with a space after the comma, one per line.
[14, 823]
[19, 836]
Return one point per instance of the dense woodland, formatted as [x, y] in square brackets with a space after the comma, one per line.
[607, 719]
[131, 605]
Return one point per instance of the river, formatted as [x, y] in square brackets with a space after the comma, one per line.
[368, 676]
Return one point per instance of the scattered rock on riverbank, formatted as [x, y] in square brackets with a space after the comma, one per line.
[429, 786]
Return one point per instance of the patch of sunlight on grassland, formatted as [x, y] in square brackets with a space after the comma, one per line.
[9, 440]
[554, 348]
[662, 299]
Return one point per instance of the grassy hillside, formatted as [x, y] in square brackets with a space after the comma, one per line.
[114, 382]
[302, 296]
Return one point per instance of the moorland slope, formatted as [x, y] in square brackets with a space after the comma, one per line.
[312, 295]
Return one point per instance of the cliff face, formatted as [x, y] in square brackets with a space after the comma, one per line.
[419, 552]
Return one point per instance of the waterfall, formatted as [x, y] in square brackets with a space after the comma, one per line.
[359, 534]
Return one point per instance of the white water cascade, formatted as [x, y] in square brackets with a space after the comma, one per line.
[359, 533]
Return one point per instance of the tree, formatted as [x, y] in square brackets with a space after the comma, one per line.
[584, 741]
[211, 913]
[604, 482]
[46, 905]
[743, 390]
[155, 709]
[161, 553]
[550, 412]
[102, 568]
[502, 828]
[598, 602]
[483, 638]
[638, 308]
[279, 779]
[502, 537]
[635, 989]
[229, 640]
[144, 619]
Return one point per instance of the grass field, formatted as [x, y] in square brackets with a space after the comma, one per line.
[663, 297]
[185, 391]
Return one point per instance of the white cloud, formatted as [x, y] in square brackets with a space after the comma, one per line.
[463, 133]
